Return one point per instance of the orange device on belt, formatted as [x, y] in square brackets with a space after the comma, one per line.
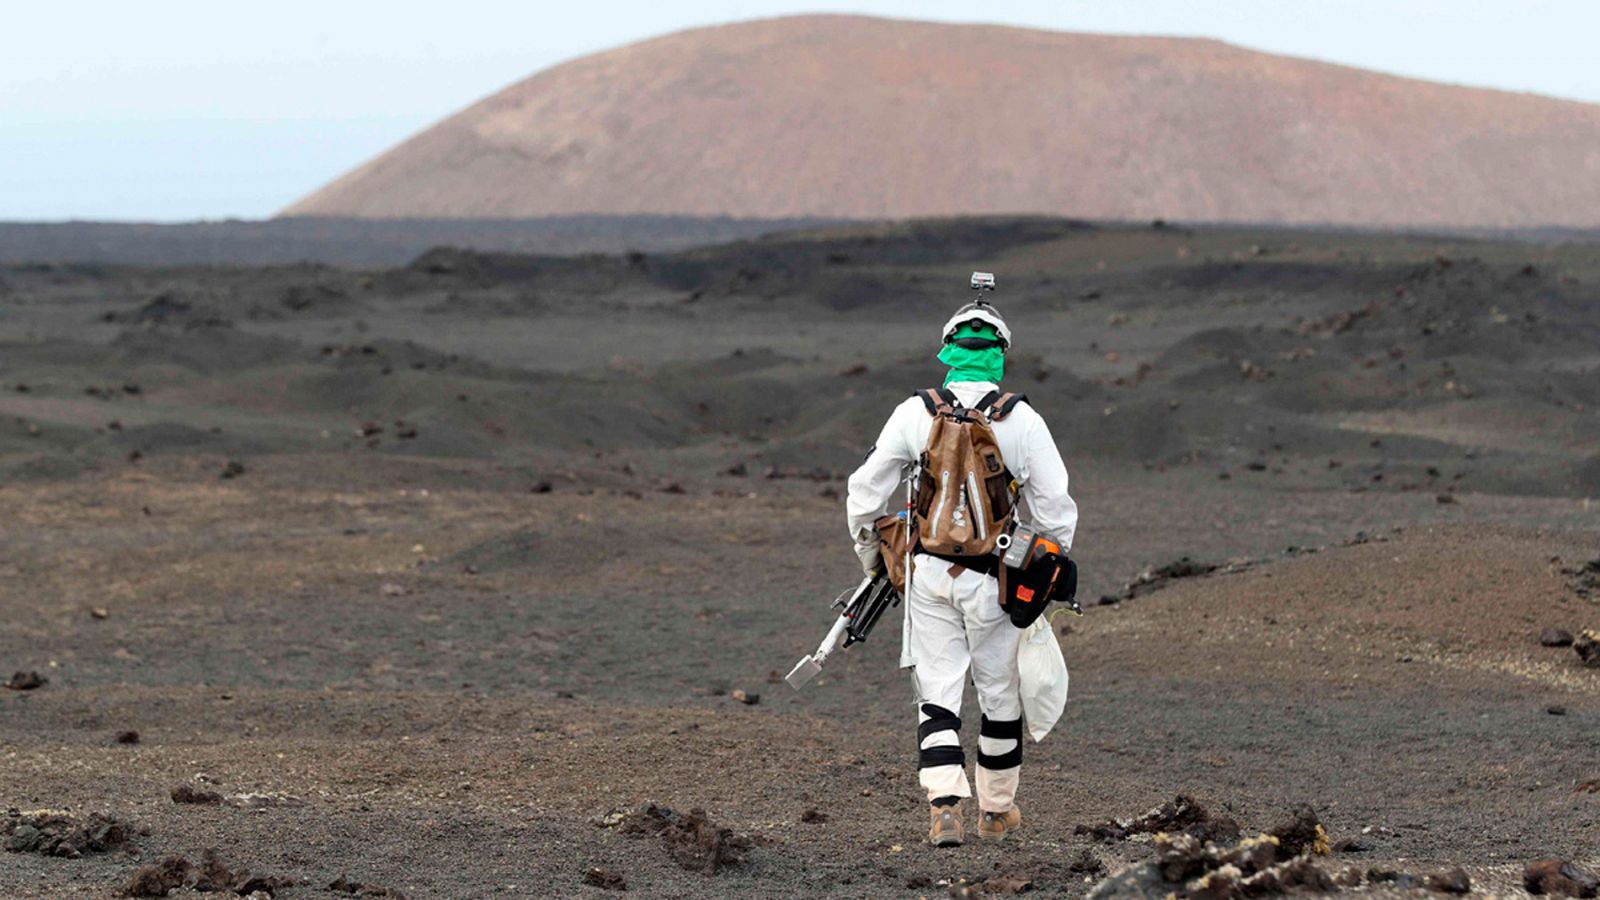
[1033, 572]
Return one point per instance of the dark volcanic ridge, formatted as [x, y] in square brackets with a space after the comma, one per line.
[1450, 368]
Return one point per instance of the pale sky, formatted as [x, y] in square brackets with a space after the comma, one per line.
[168, 110]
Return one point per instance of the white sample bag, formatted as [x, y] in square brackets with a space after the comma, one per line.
[1043, 670]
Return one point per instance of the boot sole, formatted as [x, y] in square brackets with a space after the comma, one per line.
[946, 841]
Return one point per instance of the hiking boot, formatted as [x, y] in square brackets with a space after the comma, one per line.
[995, 826]
[946, 829]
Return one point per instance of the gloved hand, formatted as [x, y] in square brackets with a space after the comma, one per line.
[871, 559]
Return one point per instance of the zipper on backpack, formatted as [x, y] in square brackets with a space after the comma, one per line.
[975, 504]
[944, 498]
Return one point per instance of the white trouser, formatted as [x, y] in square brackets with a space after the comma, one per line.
[957, 623]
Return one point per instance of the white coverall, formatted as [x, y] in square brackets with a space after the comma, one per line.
[954, 621]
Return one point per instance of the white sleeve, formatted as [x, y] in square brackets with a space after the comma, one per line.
[1044, 486]
[872, 485]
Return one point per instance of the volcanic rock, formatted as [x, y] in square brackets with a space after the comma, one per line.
[1454, 881]
[692, 840]
[56, 833]
[1587, 646]
[188, 793]
[211, 875]
[1555, 637]
[27, 681]
[1181, 814]
[1186, 868]
[1559, 878]
[605, 879]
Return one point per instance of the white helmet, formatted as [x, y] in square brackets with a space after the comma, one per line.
[979, 312]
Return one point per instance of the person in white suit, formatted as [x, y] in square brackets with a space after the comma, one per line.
[954, 622]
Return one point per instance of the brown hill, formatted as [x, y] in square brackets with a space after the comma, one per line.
[846, 116]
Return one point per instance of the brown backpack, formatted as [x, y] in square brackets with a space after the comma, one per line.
[964, 496]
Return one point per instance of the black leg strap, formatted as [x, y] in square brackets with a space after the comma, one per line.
[946, 801]
[1001, 729]
[939, 719]
[941, 756]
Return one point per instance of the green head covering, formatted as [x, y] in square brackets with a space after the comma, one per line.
[967, 364]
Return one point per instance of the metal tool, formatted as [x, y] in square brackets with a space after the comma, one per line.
[863, 606]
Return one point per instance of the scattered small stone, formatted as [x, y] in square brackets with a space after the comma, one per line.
[1559, 878]
[1404, 881]
[605, 879]
[1555, 637]
[100, 612]
[1302, 833]
[1587, 646]
[1585, 578]
[673, 488]
[1251, 371]
[188, 793]
[854, 371]
[128, 737]
[1445, 498]
[391, 589]
[210, 876]
[27, 681]
[233, 469]
[160, 878]
[739, 469]
[692, 839]
[1007, 884]
[51, 832]
[1088, 865]
[962, 889]
[1454, 881]
[814, 817]
[746, 698]
[541, 487]
[1556, 709]
[1181, 814]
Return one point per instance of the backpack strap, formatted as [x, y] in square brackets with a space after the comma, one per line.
[934, 398]
[1001, 406]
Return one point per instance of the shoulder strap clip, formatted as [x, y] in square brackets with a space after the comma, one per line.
[1001, 406]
